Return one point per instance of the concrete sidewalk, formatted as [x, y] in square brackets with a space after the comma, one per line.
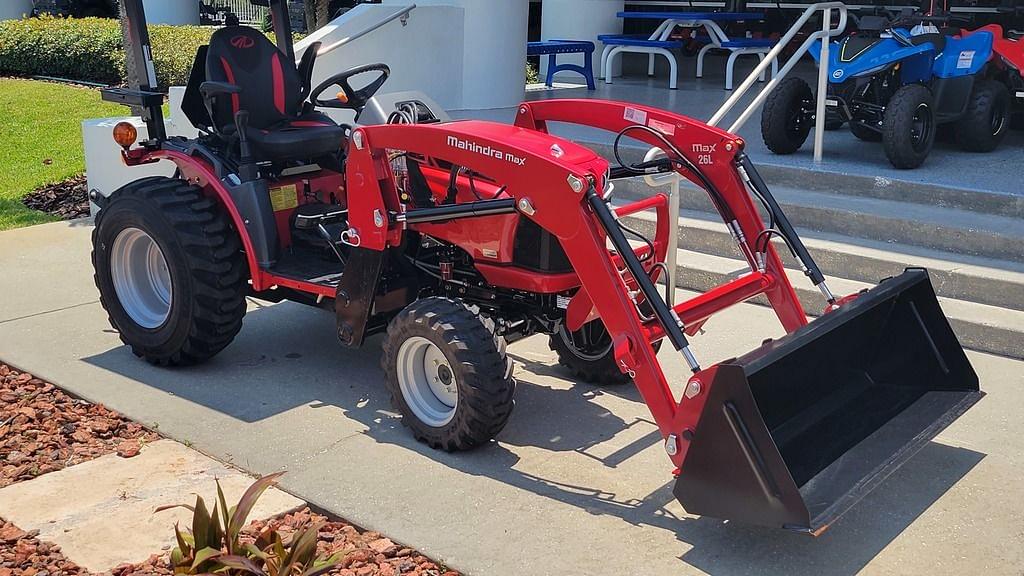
[576, 484]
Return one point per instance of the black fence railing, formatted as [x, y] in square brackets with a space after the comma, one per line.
[214, 12]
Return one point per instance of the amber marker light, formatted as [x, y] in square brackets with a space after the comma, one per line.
[125, 134]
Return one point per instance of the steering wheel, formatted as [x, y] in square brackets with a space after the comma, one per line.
[353, 99]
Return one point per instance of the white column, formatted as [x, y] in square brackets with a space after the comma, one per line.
[579, 20]
[494, 51]
[15, 9]
[174, 12]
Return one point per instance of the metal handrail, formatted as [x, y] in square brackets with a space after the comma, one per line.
[402, 14]
[824, 35]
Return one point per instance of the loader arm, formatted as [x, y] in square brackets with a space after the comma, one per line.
[717, 155]
[789, 435]
[552, 185]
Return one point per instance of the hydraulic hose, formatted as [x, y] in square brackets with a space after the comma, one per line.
[666, 316]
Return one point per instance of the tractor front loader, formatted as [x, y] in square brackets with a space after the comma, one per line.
[452, 239]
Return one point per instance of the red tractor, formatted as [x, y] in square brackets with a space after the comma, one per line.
[454, 238]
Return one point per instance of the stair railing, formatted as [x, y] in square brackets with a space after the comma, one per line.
[825, 34]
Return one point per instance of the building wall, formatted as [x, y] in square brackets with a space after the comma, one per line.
[14, 9]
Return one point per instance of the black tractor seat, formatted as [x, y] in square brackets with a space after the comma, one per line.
[282, 125]
[311, 135]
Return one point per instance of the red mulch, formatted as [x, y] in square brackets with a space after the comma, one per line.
[22, 554]
[369, 553]
[66, 200]
[42, 429]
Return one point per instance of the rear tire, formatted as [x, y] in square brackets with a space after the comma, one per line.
[908, 128]
[588, 354]
[170, 272]
[785, 122]
[448, 374]
[987, 119]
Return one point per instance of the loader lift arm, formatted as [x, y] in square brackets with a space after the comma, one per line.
[789, 435]
[560, 194]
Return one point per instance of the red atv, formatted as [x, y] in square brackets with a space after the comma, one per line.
[1008, 60]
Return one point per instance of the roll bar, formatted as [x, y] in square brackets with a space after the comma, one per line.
[142, 90]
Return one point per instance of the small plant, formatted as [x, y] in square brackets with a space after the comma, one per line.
[532, 74]
[215, 543]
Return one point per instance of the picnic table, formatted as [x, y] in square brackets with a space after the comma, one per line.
[661, 43]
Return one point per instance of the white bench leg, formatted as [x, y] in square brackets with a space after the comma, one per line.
[604, 58]
[650, 64]
[673, 72]
[733, 55]
[760, 58]
[700, 59]
[610, 63]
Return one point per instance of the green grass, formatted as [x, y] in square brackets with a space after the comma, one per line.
[41, 140]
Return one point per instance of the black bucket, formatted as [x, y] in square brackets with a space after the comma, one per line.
[796, 432]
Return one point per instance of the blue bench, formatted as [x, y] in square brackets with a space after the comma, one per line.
[740, 43]
[552, 48]
[637, 40]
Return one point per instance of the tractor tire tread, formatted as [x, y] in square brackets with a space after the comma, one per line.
[213, 262]
[480, 362]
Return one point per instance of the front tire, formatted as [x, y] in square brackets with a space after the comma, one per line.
[987, 119]
[786, 119]
[448, 374]
[908, 128]
[169, 270]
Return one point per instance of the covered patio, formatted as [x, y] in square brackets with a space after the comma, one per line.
[948, 166]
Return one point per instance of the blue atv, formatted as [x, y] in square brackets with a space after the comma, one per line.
[895, 81]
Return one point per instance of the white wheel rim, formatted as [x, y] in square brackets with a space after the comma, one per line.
[427, 381]
[141, 278]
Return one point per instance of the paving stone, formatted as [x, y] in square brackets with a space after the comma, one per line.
[101, 512]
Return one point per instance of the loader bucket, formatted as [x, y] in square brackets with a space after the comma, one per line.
[796, 432]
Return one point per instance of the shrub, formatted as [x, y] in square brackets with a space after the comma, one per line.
[90, 49]
[215, 544]
[81, 49]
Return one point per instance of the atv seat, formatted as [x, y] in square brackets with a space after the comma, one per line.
[282, 125]
[937, 40]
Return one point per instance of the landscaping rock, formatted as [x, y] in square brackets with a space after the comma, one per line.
[42, 429]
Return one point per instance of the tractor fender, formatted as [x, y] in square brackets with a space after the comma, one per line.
[201, 173]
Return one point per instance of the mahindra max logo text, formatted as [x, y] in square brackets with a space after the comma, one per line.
[242, 42]
[456, 142]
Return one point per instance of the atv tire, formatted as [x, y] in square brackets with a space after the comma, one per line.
[987, 119]
[908, 128]
[864, 133]
[588, 354]
[170, 271]
[785, 120]
[448, 374]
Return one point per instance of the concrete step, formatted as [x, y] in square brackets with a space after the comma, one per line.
[978, 326]
[952, 230]
[997, 283]
[961, 196]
